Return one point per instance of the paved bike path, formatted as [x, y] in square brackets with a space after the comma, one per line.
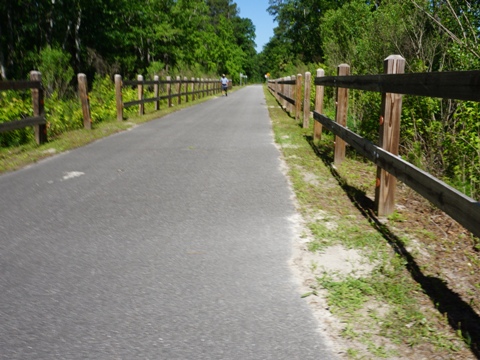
[168, 241]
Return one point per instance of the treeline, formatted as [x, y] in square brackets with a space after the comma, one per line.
[103, 37]
[440, 136]
[100, 38]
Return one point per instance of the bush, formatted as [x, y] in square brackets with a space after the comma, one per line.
[56, 71]
[15, 105]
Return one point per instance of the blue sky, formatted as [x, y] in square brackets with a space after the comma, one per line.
[256, 10]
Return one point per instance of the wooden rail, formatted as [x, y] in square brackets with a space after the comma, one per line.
[462, 85]
[288, 92]
[180, 89]
[38, 119]
[459, 85]
[460, 207]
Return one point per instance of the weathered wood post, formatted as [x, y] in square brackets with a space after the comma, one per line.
[306, 100]
[118, 96]
[156, 91]
[179, 90]
[291, 94]
[169, 90]
[38, 108]
[192, 87]
[389, 138]
[341, 114]
[185, 80]
[319, 94]
[277, 89]
[298, 96]
[83, 94]
[141, 106]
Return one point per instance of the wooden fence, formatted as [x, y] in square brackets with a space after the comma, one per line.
[179, 89]
[287, 91]
[38, 119]
[461, 85]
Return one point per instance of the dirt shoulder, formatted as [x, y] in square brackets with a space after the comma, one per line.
[402, 287]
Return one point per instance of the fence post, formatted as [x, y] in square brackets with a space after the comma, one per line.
[298, 96]
[319, 94]
[169, 90]
[156, 91]
[185, 80]
[179, 90]
[288, 93]
[141, 106]
[118, 97]
[38, 108]
[341, 114]
[306, 100]
[193, 89]
[291, 95]
[83, 94]
[389, 138]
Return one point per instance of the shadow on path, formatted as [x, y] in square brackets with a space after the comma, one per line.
[461, 317]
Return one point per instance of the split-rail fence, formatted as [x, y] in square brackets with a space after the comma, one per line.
[168, 89]
[393, 84]
[177, 88]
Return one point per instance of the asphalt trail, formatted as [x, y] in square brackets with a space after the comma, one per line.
[168, 241]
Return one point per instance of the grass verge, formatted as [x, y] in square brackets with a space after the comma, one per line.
[384, 308]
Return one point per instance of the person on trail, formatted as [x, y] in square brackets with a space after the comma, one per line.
[224, 82]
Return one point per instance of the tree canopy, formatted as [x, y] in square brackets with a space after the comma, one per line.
[430, 34]
[127, 36]
[441, 136]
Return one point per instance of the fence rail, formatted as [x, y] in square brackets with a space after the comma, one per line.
[460, 207]
[180, 89]
[461, 85]
[287, 90]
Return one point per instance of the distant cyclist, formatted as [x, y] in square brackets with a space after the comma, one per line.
[224, 82]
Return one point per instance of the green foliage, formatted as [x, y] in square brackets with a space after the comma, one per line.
[62, 115]
[102, 100]
[461, 149]
[56, 71]
[439, 136]
[155, 68]
[15, 105]
[125, 36]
